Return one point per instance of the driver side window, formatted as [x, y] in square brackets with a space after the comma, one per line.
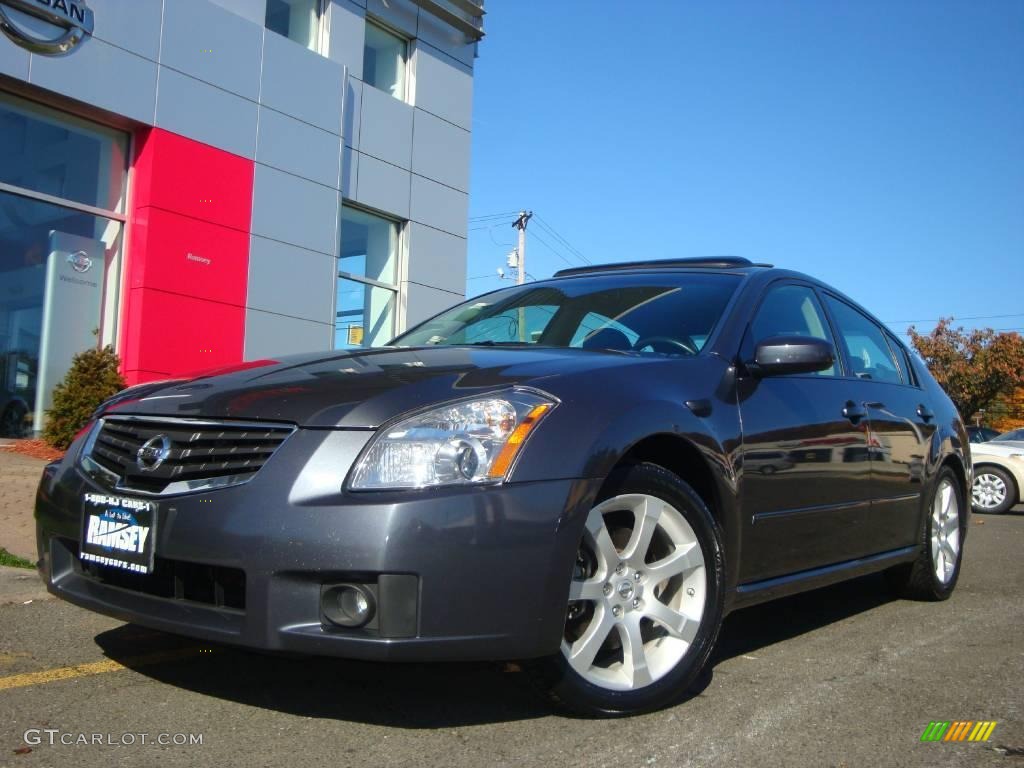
[791, 310]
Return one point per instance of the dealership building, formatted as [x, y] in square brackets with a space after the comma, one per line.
[203, 182]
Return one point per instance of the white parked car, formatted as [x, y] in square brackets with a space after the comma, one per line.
[998, 475]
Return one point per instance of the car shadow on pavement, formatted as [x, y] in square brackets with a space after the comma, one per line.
[438, 695]
[402, 695]
[759, 626]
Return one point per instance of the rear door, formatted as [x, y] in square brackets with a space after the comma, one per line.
[805, 484]
[901, 425]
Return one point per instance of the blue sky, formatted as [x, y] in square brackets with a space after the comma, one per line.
[878, 145]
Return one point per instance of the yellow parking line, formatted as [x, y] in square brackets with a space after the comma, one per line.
[95, 668]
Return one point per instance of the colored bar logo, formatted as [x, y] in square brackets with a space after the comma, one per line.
[959, 730]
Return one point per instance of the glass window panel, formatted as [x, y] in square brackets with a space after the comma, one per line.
[671, 312]
[58, 282]
[870, 356]
[365, 315]
[594, 322]
[791, 310]
[55, 154]
[369, 245]
[298, 20]
[525, 324]
[903, 359]
[384, 57]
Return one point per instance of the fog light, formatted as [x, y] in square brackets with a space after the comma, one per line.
[348, 605]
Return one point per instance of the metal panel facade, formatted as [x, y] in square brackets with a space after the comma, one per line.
[246, 145]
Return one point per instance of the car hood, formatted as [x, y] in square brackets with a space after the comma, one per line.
[362, 388]
[1004, 449]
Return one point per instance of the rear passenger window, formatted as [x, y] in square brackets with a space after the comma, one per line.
[866, 347]
[903, 358]
[791, 310]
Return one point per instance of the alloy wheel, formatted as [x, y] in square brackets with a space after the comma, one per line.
[988, 491]
[945, 531]
[637, 595]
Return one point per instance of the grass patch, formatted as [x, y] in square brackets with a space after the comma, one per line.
[13, 561]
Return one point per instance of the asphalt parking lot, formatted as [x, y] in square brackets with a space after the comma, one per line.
[844, 676]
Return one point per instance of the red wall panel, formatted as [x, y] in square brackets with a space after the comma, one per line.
[183, 309]
[179, 335]
[188, 256]
[194, 179]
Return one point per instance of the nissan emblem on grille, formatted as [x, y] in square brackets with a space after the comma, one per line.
[153, 453]
[166, 455]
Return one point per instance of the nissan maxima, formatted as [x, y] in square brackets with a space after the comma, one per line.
[572, 472]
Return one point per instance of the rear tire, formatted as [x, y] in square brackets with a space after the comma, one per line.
[646, 599]
[994, 490]
[933, 576]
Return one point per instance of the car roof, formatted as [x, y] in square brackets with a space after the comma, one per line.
[731, 263]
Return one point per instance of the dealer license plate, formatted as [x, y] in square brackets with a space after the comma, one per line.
[118, 531]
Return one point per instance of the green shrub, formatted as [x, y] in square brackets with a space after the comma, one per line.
[92, 378]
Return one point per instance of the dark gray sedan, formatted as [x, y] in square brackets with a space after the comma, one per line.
[586, 472]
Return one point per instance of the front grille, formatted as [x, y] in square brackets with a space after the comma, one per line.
[202, 454]
[175, 580]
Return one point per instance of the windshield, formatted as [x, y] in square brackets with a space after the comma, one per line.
[1013, 434]
[670, 314]
[981, 434]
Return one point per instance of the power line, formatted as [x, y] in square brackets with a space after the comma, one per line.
[548, 246]
[906, 331]
[493, 216]
[548, 228]
[967, 317]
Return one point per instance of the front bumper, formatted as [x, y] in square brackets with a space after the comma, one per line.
[491, 565]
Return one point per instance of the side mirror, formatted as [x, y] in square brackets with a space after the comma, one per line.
[780, 355]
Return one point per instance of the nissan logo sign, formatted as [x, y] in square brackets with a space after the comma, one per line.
[73, 19]
[153, 453]
[80, 261]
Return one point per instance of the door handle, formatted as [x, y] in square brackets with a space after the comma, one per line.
[925, 413]
[853, 411]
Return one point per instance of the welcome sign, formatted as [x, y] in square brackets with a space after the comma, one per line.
[72, 301]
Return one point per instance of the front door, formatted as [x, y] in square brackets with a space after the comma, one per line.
[806, 473]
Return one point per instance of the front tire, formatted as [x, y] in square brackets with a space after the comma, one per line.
[993, 491]
[645, 600]
[933, 576]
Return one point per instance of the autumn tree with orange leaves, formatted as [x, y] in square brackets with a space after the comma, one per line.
[1007, 412]
[976, 368]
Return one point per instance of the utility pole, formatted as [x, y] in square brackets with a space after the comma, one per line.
[520, 224]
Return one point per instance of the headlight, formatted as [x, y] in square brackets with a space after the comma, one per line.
[465, 443]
